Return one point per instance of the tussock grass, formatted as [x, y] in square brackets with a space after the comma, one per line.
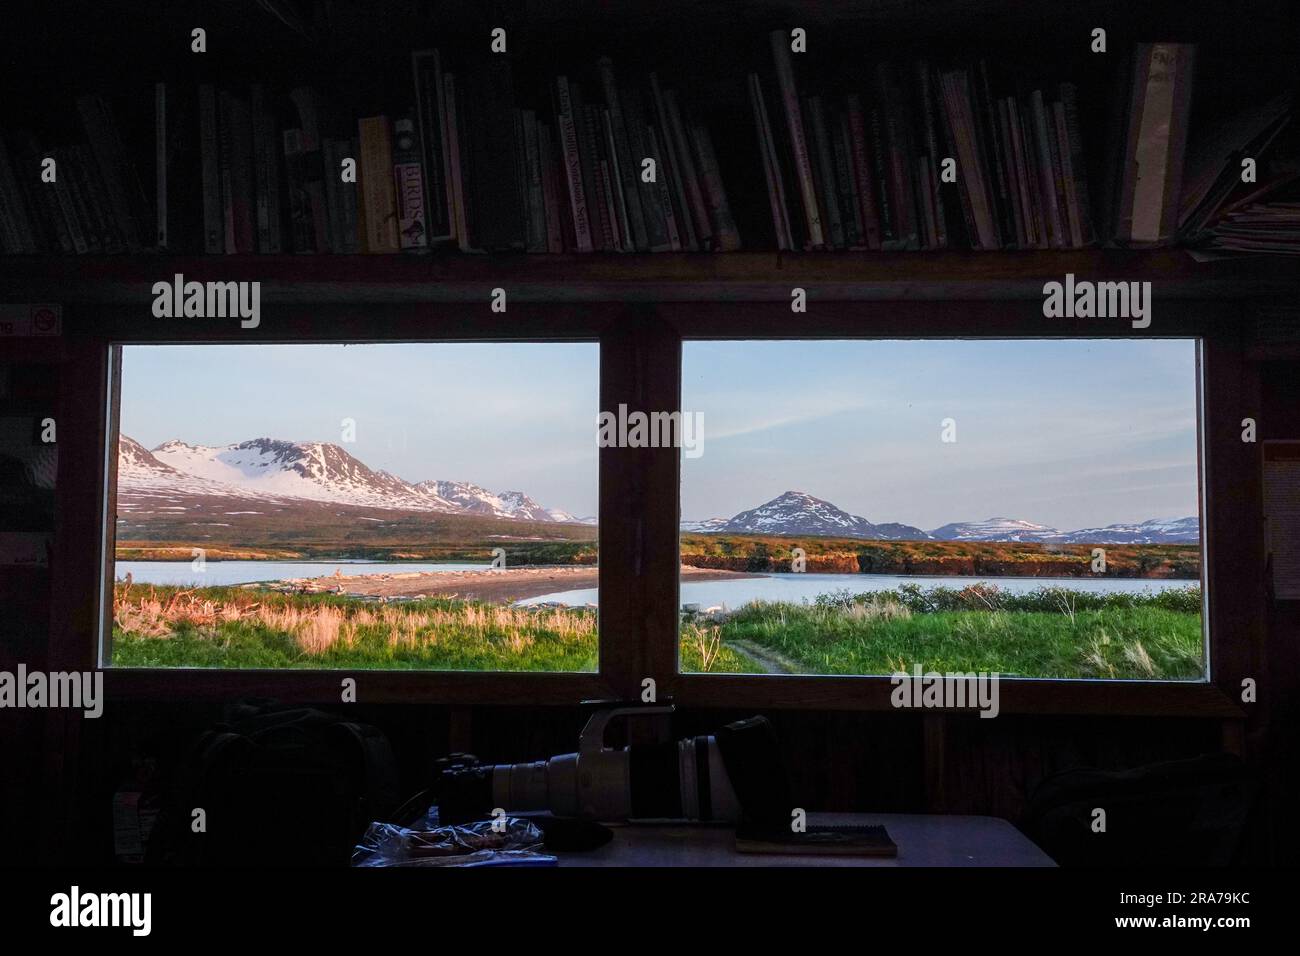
[157, 626]
[1051, 632]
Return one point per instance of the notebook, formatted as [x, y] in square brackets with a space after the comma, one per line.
[851, 840]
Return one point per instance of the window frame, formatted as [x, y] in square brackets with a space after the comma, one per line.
[639, 514]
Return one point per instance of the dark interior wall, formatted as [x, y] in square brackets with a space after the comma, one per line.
[60, 772]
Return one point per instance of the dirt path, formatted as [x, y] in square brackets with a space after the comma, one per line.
[499, 587]
[772, 662]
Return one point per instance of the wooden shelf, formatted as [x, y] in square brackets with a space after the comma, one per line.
[677, 277]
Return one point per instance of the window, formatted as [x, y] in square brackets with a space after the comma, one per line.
[388, 506]
[1026, 507]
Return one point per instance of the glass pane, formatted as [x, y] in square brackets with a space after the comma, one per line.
[1024, 507]
[364, 506]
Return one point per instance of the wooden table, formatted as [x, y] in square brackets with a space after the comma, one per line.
[923, 840]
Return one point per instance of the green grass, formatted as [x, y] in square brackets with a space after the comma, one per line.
[1157, 637]
[1051, 633]
[251, 628]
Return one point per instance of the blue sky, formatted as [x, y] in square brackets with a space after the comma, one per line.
[1068, 433]
[509, 417]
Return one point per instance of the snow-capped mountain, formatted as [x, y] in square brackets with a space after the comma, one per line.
[705, 526]
[995, 529]
[271, 469]
[798, 513]
[1155, 531]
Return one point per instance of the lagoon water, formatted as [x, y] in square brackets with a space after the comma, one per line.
[222, 573]
[796, 588]
[730, 593]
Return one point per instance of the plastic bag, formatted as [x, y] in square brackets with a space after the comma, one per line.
[508, 841]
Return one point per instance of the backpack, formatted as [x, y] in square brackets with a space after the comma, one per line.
[277, 787]
[1183, 812]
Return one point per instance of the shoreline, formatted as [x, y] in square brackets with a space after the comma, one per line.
[497, 586]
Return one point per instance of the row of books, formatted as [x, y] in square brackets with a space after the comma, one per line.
[928, 160]
[917, 158]
[613, 169]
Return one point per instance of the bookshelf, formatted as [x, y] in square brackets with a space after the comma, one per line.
[703, 277]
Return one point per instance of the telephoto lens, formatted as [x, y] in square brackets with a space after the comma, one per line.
[705, 778]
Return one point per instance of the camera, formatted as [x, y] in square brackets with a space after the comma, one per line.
[726, 777]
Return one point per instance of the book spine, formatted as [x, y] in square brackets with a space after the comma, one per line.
[1046, 173]
[771, 173]
[850, 204]
[681, 234]
[536, 183]
[377, 196]
[726, 237]
[627, 240]
[92, 204]
[798, 145]
[1078, 164]
[970, 172]
[635, 118]
[67, 204]
[863, 156]
[930, 132]
[825, 172]
[225, 158]
[699, 230]
[266, 173]
[608, 187]
[573, 166]
[657, 150]
[1058, 175]
[14, 215]
[551, 188]
[331, 155]
[430, 98]
[1026, 174]
[214, 229]
[1065, 161]
[899, 160]
[160, 164]
[992, 159]
[929, 232]
[116, 175]
[42, 201]
[627, 164]
[880, 180]
[589, 150]
[455, 170]
[241, 176]
[1020, 236]
[301, 229]
[351, 215]
[408, 189]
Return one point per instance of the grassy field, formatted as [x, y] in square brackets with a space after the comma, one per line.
[1051, 632]
[156, 626]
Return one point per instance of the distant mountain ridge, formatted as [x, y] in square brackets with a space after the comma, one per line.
[279, 470]
[799, 513]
